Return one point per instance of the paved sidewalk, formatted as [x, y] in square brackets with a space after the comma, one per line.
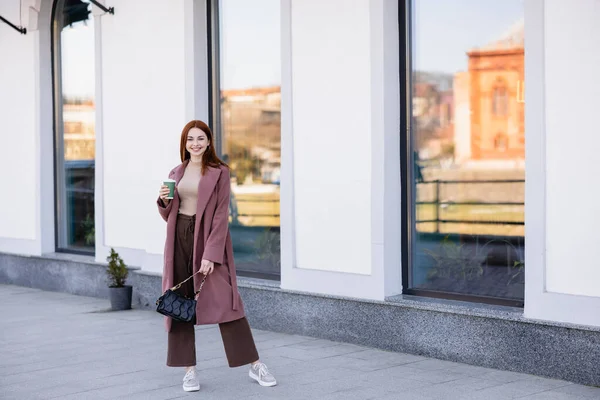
[60, 346]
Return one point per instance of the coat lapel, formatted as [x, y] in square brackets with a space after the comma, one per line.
[206, 186]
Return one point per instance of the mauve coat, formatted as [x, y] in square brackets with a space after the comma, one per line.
[219, 300]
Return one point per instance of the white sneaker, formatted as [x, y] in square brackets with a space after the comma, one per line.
[260, 373]
[190, 381]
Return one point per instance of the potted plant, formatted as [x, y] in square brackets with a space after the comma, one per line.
[120, 294]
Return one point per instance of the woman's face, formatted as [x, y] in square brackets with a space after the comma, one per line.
[197, 142]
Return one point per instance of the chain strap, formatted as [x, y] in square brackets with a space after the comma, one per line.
[200, 288]
[190, 277]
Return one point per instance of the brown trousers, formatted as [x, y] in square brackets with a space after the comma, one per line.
[237, 336]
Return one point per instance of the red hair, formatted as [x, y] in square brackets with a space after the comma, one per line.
[209, 158]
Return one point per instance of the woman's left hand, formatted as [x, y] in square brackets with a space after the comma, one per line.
[207, 267]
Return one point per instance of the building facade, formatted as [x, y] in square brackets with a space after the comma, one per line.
[386, 156]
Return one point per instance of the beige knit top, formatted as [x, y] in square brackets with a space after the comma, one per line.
[188, 188]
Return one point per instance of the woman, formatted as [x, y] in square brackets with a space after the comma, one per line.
[198, 239]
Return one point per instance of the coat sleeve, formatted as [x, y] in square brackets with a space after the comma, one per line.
[162, 209]
[215, 245]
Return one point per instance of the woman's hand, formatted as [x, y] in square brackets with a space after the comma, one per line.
[164, 193]
[207, 267]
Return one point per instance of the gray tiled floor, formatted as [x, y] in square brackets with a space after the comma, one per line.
[59, 346]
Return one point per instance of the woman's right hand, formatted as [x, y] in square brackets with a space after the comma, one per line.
[164, 193]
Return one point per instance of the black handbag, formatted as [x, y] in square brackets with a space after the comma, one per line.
[177, 306]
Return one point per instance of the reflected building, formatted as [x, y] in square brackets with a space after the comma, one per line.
[79, 136]
[251, 121]
[490, 109]
[251, 124]
[433, 105]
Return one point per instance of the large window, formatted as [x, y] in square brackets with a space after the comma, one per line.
[464, 154]
[74, 112]
[246, 116]
[499, 101]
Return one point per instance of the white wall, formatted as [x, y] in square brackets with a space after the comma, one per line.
[562, 58]
[25, 132]
[17, 138]
[572, 38]
[143, 108]
[332, 134]
[149, 90]
[340, 131]
[340, 124]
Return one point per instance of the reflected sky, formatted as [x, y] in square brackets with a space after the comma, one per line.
[444, 30]
[251, 43]
[245, 64]
[470, 23]
[78, 55]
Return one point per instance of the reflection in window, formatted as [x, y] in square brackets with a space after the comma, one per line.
[73, 45]
[248, 123]
[500, 101]
[501, 142]
[467, 197]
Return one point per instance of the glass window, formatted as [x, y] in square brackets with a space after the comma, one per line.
[465, 194]
[500, 101]
[500, 142]
[73, 52]
[247, 120]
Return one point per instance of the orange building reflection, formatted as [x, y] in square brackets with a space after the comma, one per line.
[489, 101]
[251, 126]
[79, 132]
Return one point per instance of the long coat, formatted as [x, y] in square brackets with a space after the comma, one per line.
[219, 300]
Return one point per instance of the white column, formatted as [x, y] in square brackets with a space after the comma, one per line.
[146, 101]
[339, 129]
[561, 59]
[26, 134]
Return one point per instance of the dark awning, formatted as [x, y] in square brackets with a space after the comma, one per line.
[75, 11]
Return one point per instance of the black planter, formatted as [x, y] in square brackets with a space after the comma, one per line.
[120, 297]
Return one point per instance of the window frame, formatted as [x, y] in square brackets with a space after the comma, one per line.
[214, 102]
[61, 230]
[214, 72]
[60, 195]
[407, 171]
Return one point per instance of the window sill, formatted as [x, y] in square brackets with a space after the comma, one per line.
[476, 309]
[80, 258]
[258, 283]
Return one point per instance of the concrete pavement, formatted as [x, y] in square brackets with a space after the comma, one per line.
[61, 346]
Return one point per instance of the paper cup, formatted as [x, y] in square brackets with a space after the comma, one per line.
[170, 183]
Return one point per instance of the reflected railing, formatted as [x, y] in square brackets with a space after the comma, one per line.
[489, 217]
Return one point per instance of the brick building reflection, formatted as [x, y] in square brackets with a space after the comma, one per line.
[489, 101]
